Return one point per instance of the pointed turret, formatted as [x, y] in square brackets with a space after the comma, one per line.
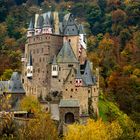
[30, 67]
[88, 74]
[69, 25]
[46, 25]
[30, 31]
[39, 25]
[54, 67]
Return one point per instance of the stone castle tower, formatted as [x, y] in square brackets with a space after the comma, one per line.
[56, 67]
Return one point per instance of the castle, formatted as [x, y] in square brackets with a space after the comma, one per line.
[55, 67]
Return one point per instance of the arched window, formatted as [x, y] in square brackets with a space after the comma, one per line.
[69, 118]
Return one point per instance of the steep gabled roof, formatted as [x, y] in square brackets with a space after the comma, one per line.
[88, 77]
[15, 85]
[69, 25]
[66, 54]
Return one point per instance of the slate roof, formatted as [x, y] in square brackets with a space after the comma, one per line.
[88, 76]
[66, 54]
[15, 85]
[78, 74]
[66, 18]
[81, 29]
[46, 21]
[69, 103]
[54, 60]
[60, 27]
[31, 26]
[40, 21]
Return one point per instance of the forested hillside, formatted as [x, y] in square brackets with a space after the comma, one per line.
[113, 34]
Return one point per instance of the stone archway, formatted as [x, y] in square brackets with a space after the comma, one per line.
[69, 118]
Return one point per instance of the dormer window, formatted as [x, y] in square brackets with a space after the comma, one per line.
[54, 68]
[78, 82]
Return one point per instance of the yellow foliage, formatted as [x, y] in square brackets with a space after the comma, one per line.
[94, 58]
[127, 1]
[136, 72]
[30, 104]
[22, 30]
[39, 128]
[10, 42]
[94, 130]
[106, 43]
[127, 69]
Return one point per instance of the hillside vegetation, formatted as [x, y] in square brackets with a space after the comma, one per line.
[113, 33]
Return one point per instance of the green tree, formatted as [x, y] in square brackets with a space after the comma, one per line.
[7, 74]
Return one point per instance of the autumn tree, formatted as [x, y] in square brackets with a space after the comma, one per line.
[7, 125]
[94, 130]
[41, 126]
[30, 104]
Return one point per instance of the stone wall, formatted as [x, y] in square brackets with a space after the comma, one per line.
[64, 110]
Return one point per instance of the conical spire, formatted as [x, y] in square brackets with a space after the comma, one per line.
[39, 22]
[31, 26]
[46, 21]
[88, 74]
[54, 61]
[30, 63]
